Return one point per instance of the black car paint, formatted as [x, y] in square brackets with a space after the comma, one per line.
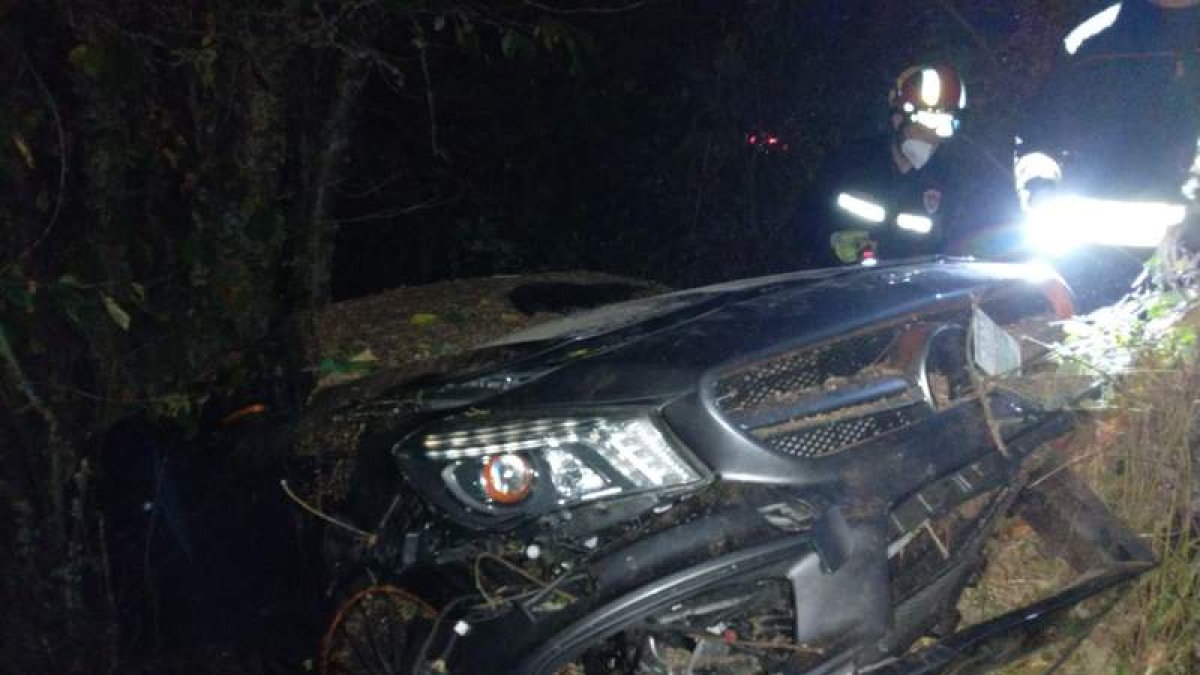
[669, 363]
[740, 325]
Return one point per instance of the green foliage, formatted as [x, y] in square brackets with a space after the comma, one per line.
[515, 44]
[358, 364]
[1155, 321]
[87, 59]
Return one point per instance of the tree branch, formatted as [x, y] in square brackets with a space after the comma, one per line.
[62, 152]
[981, 41]
[392, 213]
[586, 10]
[422, 49]
[350, 80]
[54, 445]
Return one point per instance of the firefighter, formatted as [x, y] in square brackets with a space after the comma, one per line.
[884, 196]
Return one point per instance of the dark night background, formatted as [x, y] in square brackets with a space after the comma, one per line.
[181, 179]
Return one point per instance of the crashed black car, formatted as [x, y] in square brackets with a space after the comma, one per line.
[791, 474]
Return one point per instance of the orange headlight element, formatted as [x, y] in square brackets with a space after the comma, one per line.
[506, 478]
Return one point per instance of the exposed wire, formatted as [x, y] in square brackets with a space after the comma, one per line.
[525, 575]
[478, 578]
[369, 537]
[552, 587]
[423, 653]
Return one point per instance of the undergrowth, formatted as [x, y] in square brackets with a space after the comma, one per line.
[1138, 447]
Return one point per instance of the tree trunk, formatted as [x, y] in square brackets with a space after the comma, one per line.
[315, 258]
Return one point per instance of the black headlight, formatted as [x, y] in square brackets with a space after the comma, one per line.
[481, 467]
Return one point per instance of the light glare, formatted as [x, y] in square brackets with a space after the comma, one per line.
[914, 223]
[1061, 224]
[868, 211]
[1036, 165]
[931, 87]
[941, 123]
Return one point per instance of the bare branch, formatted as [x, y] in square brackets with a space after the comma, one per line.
[62, 151]
[422, 49]
[392, 213]
[55, 452]
[373, 58]
[978, 37]
[374, 188]
[586, 10]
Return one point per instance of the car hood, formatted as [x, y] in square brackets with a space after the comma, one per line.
[658, 348]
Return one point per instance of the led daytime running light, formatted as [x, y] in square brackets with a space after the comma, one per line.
[588, 457]
[507, 438]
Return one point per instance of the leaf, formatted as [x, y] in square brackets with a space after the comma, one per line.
[514, 45]
[328, 366]
[364, 357]
[86, 59]
[6, 350]
[18, 294]
[363, 362]
[465, 34]
[115, 312]
[423, 319]
[139, 291]
[23, 148]
[173, 405]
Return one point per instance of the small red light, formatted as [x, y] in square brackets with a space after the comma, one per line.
[771, 140]
[752, 139]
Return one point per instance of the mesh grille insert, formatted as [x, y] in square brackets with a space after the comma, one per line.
[789, 376]
[780, 385]
[825, 439]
